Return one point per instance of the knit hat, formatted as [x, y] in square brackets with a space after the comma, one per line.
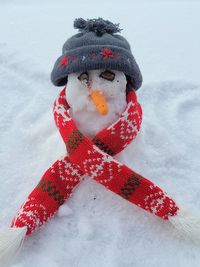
[96, 46]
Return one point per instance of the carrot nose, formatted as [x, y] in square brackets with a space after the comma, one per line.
[99, 101]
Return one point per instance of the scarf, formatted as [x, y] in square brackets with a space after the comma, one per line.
[93, 158]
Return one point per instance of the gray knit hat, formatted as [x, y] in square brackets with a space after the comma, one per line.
[96, 46]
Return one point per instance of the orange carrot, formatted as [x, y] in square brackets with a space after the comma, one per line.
[99, 101]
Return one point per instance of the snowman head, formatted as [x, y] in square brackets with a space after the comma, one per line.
[96, 90]
[96, 59]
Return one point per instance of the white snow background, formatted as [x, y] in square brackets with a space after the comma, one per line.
[96, 227]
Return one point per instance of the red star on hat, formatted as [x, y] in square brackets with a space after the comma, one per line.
[64, 61]
[106, 53]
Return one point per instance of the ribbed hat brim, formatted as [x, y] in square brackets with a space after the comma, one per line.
[95, 57]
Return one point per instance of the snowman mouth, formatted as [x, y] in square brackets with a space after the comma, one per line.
[99, 101]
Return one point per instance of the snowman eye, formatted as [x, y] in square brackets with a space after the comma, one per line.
[108, 75]
[83, 77]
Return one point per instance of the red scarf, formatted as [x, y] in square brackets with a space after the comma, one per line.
[93, 158]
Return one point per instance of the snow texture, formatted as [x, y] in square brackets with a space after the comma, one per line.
[96, 227]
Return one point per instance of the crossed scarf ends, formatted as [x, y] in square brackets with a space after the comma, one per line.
[95, 159]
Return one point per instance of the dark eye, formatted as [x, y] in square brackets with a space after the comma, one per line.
[83, 77]
[108, 75]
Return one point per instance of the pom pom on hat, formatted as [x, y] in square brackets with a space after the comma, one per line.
[99, 26]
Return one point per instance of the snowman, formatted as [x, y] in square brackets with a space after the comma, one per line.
[97, 115]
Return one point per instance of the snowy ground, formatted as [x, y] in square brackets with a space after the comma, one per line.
[97, 228]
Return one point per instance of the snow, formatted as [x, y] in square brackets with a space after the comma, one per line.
[96, 227]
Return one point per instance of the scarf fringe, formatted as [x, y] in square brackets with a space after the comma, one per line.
[187, 223]
[11, 241]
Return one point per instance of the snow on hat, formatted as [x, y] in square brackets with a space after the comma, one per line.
[96, 46]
